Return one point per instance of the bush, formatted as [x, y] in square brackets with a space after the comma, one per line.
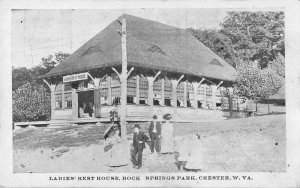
[31, 103]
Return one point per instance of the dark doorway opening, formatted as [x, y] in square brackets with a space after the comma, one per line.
[86, 104]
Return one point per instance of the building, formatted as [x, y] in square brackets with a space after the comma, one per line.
[173, 73]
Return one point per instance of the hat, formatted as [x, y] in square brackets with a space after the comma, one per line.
[137, 126]
[109, 130]
[154, 117]
[167, 116]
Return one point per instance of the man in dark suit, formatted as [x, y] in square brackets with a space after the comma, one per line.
[139, 139]
[155, 134]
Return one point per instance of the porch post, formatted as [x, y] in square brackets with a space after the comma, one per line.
[137, 94]
[97, 82]
[150, 91]
[97, 98]
[74, 104]
[184, 94]
[63, 95]
[204, 96]
[52, 89]
[195, 89]
[174, 90]
[151, 80]
[109, 101]
[162, 92]
[214, 97]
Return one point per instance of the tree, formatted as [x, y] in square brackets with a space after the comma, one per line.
[278, 65]
[256, 36]
[31, 103]
[218, 42]
[270, 83]
[20, 76]
[23, 75]
[253, 82]
[31, 100]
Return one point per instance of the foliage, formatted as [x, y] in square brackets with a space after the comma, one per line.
[256, 36]
[31, 100]
[31, 103]
[270, 83]
[253, 82]
[247, 36]
[217, 42]
[20, 76]
[23, 75]
[278, 65]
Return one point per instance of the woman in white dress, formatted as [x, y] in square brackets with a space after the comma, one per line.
[195, 159]
[167, 135]
[183, 151]
[116, 149]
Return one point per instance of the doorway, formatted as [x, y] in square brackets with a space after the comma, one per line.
[86, 107]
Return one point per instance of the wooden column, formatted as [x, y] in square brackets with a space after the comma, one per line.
[214, 96]
[150, 90]
[204, 96]
[109, 97]
[52, 89]
[151, 80]
[97, 98]
[74, 104]
[137, 94]
[184, 94]
[174, 91]
[63, 96]
[162, 92]
[195, 89]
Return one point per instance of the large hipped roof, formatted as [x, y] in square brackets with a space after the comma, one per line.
[149, 45]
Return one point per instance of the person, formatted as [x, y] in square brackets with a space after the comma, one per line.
[195, 160]
[155, 134]
[139, 139]
[115, 148]
[83, 111]
[183, 153]
[167, 135]
[91, 109]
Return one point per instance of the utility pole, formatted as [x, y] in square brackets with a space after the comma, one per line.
[123, 82]
[123, 79]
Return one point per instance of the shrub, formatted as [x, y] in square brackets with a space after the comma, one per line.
[31, 103]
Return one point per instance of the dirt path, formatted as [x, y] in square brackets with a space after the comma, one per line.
[253, 144]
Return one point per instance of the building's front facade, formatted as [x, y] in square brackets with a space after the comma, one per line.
[173, 73]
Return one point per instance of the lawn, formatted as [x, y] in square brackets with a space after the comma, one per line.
[254, 144]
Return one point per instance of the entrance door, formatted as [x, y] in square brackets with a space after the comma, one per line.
[86, 104]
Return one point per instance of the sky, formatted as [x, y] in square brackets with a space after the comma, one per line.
[39, 33]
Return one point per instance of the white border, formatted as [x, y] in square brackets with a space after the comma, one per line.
[291, 178]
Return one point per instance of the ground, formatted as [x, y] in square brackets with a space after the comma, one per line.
[254, 144]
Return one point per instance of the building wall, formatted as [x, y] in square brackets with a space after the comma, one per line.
[65, 105]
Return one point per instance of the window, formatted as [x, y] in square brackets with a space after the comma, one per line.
[68, 100]
[143, 88]
[58, 101]
[67, 87]
[208, 92]
[168, 91]
[200, 91]
[58, 88]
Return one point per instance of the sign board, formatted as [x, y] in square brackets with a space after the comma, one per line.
[75, 77]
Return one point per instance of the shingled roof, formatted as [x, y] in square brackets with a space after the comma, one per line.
[149, 45]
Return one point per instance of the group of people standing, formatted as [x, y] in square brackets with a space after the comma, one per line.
[161, 140]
